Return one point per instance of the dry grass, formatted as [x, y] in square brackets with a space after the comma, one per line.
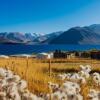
[37, 74]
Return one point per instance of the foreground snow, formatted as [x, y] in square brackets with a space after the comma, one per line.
[12, 87]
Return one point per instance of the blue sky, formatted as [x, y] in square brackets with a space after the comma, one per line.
[45, 16]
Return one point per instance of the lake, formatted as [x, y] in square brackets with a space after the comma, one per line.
[9, 49]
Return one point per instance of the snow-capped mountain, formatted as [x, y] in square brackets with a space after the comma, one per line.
[16, 37]
[28, 38]
[47, 37]
[76, 35]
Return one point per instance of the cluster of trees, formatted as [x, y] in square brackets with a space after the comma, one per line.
[59, 54]
[93, 54]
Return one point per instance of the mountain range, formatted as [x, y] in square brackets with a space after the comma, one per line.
[27, 38]
[75, 35]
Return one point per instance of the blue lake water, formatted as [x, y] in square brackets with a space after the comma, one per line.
[9, 49]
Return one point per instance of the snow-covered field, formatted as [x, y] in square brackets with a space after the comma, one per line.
[12, 87]
[71, 87]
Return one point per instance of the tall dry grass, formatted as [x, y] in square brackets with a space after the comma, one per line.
[36, 72]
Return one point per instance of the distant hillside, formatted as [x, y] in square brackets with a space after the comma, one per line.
[78, 35]
[45, 39]
[95, 28]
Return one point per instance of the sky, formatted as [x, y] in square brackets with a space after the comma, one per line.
[46, 16]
